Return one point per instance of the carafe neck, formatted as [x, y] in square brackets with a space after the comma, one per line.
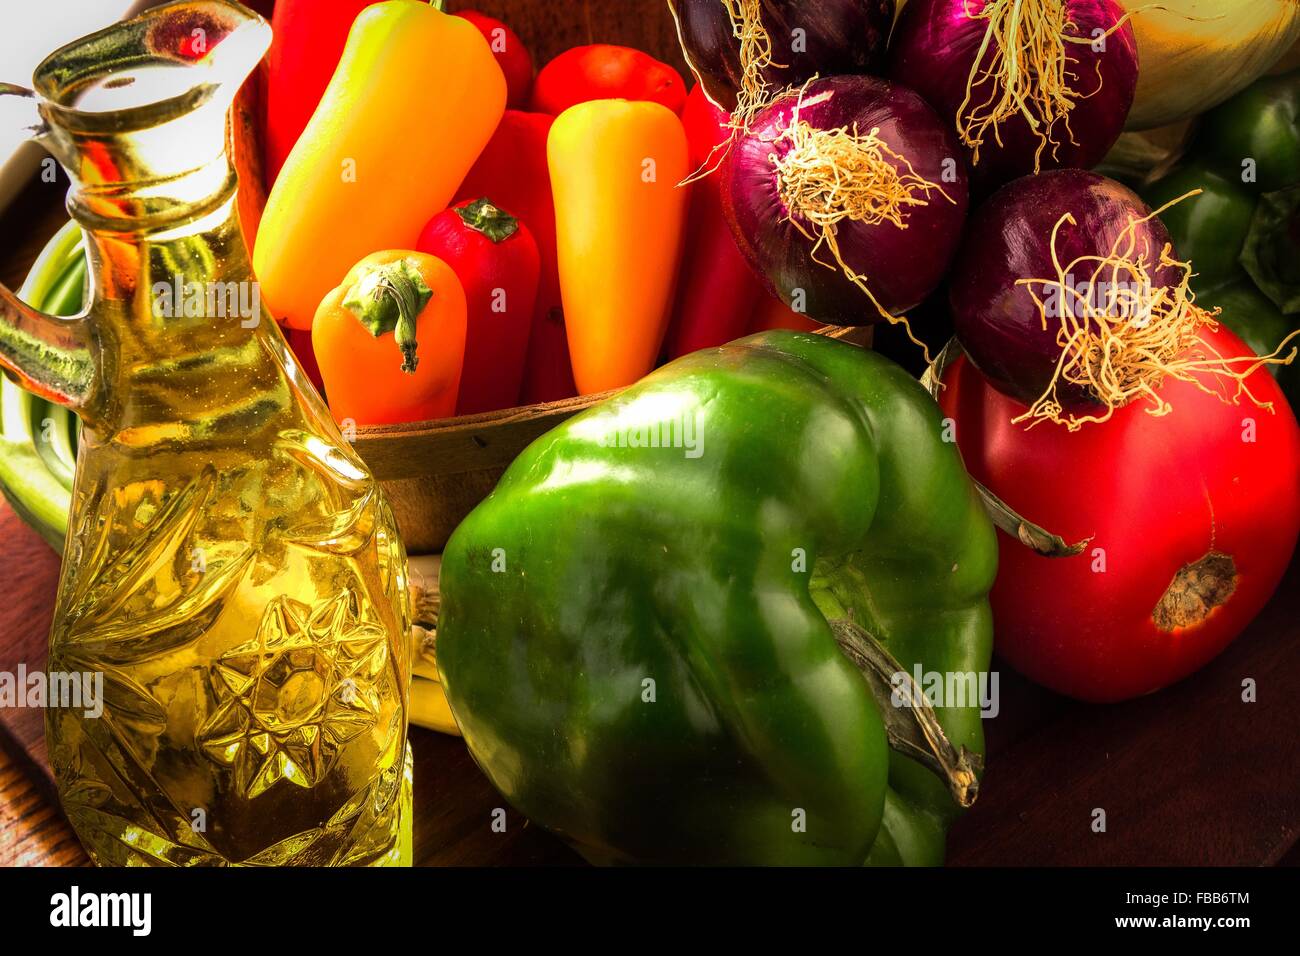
[185, 346]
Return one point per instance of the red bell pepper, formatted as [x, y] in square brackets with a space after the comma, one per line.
[495, 257]
[300, 345]
[549, 375]
[513, 57]
[718, 291]
[307, 44]
[606, 72]
[513, 171]
[772, 313]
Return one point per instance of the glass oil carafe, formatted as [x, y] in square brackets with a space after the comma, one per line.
[232, 569]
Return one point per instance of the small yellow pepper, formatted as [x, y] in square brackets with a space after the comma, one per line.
[619, 217]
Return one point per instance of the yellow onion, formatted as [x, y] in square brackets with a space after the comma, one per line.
[1194, 54]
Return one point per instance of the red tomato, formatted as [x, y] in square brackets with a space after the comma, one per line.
[512, 56]
[1192, 517]
[606, 72]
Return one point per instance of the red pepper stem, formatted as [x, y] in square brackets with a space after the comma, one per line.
[493, 222]
[389, 298]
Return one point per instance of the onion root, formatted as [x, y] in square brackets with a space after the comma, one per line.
[755, 54]
[827, 176]
[1121, 335]
[1023, 63]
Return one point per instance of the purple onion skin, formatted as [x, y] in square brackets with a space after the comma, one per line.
[934, 48]
[1008, 239]
[901, 266]
[842, 36]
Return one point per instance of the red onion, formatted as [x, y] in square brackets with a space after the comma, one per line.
[1113, 279]
[807, 38]
[1079, 93]
[848, 175]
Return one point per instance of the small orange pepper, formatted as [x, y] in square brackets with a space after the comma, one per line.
[390, 340]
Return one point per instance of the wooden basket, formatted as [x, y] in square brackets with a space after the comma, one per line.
[434, 473]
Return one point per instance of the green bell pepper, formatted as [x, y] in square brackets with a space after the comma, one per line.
[1242, 233]
[1209, 229]
[680, 628]
[1272, 252]
[1255, 136]
[1254, 139]
[1259, 323]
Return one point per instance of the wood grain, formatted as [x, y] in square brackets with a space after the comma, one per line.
[32, 830]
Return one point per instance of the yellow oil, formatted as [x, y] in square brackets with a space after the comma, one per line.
[232, 572]
[235, 574]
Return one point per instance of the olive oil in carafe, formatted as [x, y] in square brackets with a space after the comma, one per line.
[232, 569]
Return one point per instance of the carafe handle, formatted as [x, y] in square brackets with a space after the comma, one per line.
[50, 355]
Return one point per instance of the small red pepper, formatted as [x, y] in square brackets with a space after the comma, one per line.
[495, 257]
[513, 170]
[513, 57]
[307, 42]
[606, 72]
[718, 291]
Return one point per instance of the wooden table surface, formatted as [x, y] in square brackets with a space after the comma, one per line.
[1191, 775]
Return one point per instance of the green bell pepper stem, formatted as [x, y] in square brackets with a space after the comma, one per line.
[913, 728]
[1032, 536]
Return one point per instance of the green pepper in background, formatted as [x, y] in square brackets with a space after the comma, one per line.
[1242, 234]
[1259, 323]
[38, 439]
[1209, 229]
[682, 654]
[1272, 251]
[1261, 124]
